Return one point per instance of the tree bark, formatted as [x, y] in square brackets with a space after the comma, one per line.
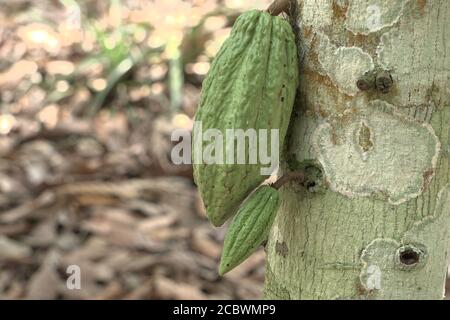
[371, 129]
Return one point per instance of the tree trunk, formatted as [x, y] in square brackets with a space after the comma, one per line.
[371, 129]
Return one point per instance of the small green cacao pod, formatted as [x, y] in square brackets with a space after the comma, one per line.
[251, 85]
[249, 227]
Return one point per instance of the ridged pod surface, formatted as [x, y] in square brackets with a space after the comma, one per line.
[251, 85]
[250, 227]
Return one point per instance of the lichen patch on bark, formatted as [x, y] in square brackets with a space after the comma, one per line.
[376, 144]
[411, 64]
[369, 16]
[345, 65]
[317, 13]
[397, 269]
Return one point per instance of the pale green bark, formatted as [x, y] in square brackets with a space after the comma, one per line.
[384, 158]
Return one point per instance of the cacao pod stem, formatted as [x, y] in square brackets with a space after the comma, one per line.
[298, 175]
[279, 6]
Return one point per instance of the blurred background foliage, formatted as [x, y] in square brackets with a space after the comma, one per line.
[90, 92]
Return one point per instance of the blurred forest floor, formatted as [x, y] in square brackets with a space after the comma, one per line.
[90, 94]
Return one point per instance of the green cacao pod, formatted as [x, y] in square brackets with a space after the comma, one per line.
[249, 227]
[251, 85]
